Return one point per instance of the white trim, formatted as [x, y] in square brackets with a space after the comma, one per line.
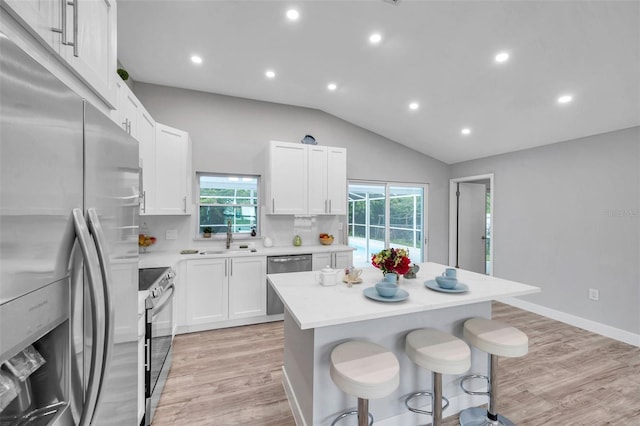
[452, 216]
[589, 325]
[291, 397]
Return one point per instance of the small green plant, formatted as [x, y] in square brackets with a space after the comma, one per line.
[207, 230]
[124, 75]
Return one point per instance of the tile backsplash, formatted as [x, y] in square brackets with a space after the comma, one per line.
[280, 229]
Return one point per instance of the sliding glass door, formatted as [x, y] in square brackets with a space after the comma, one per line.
[385, 215]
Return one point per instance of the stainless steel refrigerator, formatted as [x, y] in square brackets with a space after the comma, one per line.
[69, 204]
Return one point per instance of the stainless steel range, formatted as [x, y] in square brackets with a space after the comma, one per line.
[158, 334]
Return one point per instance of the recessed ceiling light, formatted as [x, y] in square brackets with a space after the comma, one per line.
[565, 99]
[414, 105]
[293, 14]
[196, 59]
[502, 57]
[466, 131]
[332, 86]
[270, 74]
[375, 38]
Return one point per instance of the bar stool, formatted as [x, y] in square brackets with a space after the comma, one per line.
[441, 353]
[364, 370]
[497, 339]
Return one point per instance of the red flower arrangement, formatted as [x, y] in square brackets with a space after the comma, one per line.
[392, 260]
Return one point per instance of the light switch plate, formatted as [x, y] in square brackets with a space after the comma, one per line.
[171, 234]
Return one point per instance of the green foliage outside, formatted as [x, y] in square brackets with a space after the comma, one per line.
[402, 219]
[219, 205]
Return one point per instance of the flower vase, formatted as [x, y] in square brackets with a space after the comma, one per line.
[391, 277]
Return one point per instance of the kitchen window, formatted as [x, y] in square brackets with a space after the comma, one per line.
[224, 198]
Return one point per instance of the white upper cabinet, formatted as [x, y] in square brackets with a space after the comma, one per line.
[287, 178]
[128, 108]
[327, 180]
[306, 179]
[40, 18]
[81, 32]
[147, 139]
[317, 179]
[168, 190]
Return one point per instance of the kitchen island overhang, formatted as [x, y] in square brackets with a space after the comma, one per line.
[318, 318]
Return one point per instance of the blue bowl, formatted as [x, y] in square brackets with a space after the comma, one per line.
[447, 282]
[386, 289]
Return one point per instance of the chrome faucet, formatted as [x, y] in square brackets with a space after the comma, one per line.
[229, 235]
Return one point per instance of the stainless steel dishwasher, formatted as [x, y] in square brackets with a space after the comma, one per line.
[283, 265]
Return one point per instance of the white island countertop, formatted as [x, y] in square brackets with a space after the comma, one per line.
[312, 305]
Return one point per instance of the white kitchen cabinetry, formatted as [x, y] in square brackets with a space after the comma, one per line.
[306, 179]
[327, 180]
[85, 41]
[167, 183]
[128, 108]
[247, 287]
[287, 178]
[335, 259]
[207, 291]
[220, 289]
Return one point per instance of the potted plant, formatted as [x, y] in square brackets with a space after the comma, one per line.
[206, 232]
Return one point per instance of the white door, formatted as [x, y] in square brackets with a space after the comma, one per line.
[472, 227]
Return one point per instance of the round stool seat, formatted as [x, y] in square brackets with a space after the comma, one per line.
[438, 351]
[364, 369]
[496, 337]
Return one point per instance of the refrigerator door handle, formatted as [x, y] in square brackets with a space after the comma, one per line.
[98, 318]
[107, 283]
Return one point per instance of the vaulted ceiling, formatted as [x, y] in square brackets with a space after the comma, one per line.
[437, 54]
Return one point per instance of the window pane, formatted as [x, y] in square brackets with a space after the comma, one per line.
[228, 198]
[369, 231]
[405, 224]
[243, 219]
[366, 221]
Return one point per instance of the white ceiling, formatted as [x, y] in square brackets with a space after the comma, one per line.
[438, 53]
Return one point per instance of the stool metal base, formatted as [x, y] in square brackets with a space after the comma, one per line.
[350, 413]
[477, 416]
[419, 411]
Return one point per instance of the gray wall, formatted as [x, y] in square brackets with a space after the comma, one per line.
[230, 135]
[567, 218]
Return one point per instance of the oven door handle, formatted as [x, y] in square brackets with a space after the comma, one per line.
[160, 306]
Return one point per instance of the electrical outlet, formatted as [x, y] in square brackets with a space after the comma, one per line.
[339, 226]
[171, 234]
[594, 294]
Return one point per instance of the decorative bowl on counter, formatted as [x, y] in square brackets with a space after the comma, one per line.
[326, 239]
[145, 241]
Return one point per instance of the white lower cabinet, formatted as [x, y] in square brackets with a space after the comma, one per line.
[207, 291]
[223, 289]
[247, 287]
[335, 259]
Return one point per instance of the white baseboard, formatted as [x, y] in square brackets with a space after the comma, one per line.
[182, 329]
[589, 325]
[293, 402]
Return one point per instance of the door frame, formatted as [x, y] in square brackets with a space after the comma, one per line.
[453, 212]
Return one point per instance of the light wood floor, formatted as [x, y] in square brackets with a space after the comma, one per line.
[570, 377]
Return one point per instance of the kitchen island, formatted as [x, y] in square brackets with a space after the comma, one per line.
[318, 318]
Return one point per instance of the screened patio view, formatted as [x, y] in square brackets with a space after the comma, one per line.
[385, 215]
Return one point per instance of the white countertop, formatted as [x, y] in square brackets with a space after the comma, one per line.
[312, 305]
[153, 259]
